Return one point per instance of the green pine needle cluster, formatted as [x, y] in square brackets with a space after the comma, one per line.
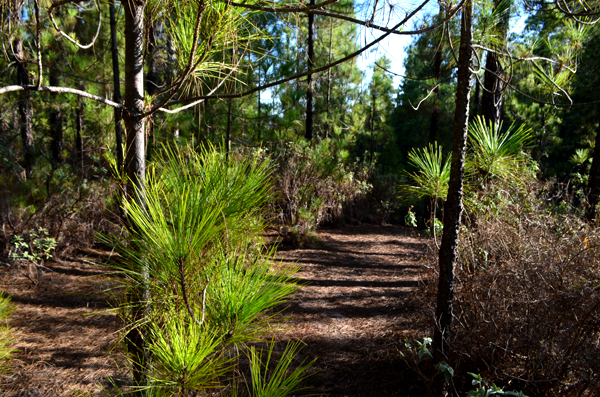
[200, 287]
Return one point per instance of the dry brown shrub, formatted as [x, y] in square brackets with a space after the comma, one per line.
[527, 298]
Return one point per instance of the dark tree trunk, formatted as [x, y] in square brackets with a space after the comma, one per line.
[491, 99]
[151, 82]
[258, 121]
[594, 181]
[437, 71]
[25, 112]
[493, 86]
[55, 121]
[309, 90]
[117, 88]
[135, 159]
[454, 206]
[79, 131]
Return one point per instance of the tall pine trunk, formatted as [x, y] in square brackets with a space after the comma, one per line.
[310, 61]
[55, 121]
[25, 112]
[454, 206]
[116, 88]
[135, 160]
[491, 98]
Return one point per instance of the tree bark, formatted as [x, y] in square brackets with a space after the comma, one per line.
[228, 131]
[135, 160]
[79, 131]
[55, 121]
[116, 88]
[309, 90]
[437, 71]
[491, 98]
[25, 112]
[454, 206]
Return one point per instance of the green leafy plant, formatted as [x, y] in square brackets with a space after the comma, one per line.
[6, 335]
[35, 247]
[483, 388]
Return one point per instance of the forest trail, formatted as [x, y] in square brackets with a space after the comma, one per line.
[355, 310]
[353, 315]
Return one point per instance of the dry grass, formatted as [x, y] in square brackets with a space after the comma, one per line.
[527, 303]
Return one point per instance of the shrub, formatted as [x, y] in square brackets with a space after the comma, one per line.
[198, 285]
[314, 183]
[527, 301]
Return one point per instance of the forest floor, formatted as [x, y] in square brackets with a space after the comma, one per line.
[352, 315]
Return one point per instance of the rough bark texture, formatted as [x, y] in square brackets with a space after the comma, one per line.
[135, 160]
[79, 130]
[491, 99]
[453, 207]
[437, 71]
[135, 163]
[309, 90]
[25, 113]
[117, 87]
[594, 181]
[493, 86]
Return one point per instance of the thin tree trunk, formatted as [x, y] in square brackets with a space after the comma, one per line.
[152, 83]
[25, 112]
[258, 122]
[454, 206]
[55, 121]
[491, 98]
[437, 71]
[79, 130]
[328, 99]
[310, 61]
[135, 160]
[116, 88]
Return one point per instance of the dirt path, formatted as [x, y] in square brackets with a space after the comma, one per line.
[62, 350]
[354, 312]
[352, 315]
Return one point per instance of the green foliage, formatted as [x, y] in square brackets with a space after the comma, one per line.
[431, 178]
[494, 152]
[485, 389]
[315, 184]
[194, 266]
[33, 247]
[277, 381]
[6, 335]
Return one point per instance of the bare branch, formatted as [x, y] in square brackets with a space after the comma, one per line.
[302, 8]
[536, 58]
[424, 99]
[60, 90]
[82, 46]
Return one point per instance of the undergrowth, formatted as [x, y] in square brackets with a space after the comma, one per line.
[527, 298]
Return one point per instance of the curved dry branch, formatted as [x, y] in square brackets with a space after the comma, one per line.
[302, 8]
[315, 10]
[60, 90]
[82, 46]
[536, 58]
[424, 99]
